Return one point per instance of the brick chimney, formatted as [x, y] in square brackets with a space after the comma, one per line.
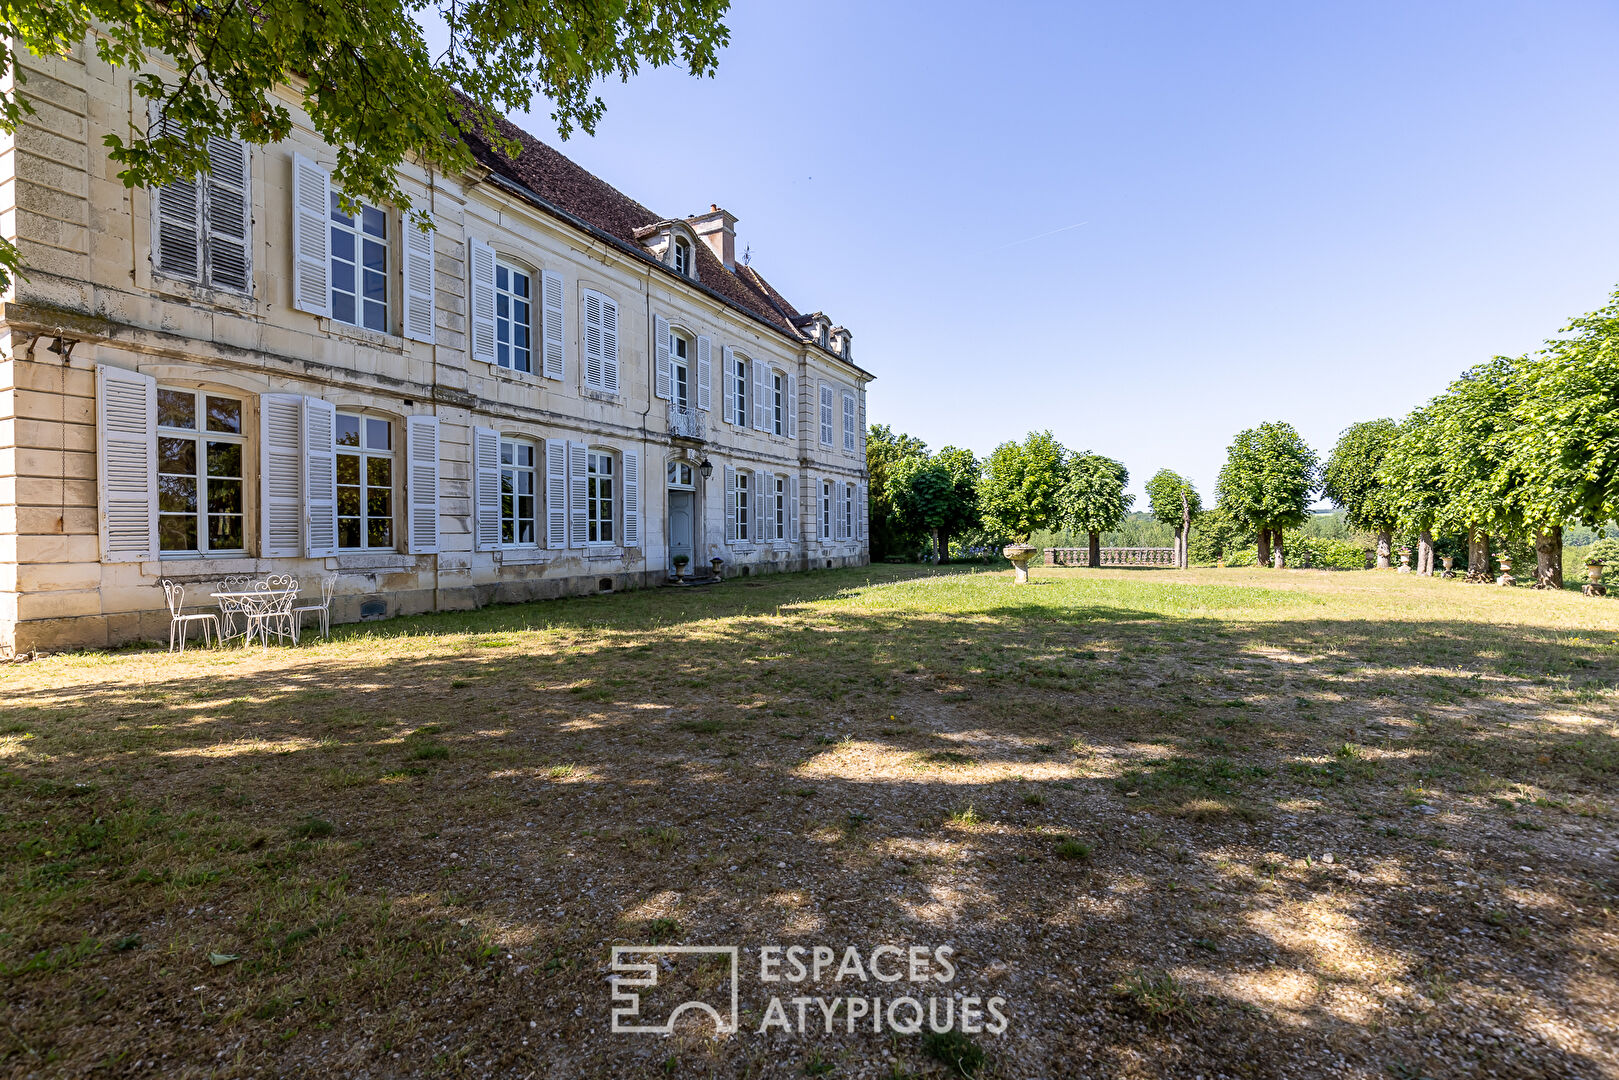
[717, 229]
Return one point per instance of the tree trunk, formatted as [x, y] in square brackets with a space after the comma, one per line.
[1281, 551]
[1180, 547]
[1425, 552]
[1549, 558]
[1184, 533]
[1096, 549]
[1264, 545]
[1478, 554]
[1385, 543]
[937, 558]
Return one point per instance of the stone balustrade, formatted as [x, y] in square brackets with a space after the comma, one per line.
[1112, 556]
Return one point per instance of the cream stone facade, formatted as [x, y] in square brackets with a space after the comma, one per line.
[189, 387]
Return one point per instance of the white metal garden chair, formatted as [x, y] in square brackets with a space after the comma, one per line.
[180, 623]
[231, 609]
[328, 586]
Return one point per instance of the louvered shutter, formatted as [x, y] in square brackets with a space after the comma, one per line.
[860, 439]
[229, 215]
[631, 462]
[764, 506]
[485, 488]
[126, 464]
[792, 406]
[418, 256]
[730, 505]
[705, 373]
[609, 345]
[860, 510]
[421, 479]
[727, 388]
[176, 216]
[311, 237]
[662, 380]
[481, 298]
[593, 339]
[578, 495]
[320, 478]
[848, 423]
[556, 493]
[281, 469]
[551, 334]
[793, 495]
[761, 396]
[826, 415]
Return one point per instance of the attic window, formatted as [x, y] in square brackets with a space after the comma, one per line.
[682, 257]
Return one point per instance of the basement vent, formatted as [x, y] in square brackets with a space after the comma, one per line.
[373, 609]
[604, 585]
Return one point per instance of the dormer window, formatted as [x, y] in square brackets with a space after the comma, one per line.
[682, 257]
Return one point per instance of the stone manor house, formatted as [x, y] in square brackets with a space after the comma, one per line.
[556, 391]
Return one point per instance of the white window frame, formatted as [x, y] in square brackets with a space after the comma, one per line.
[848, 511]
[744, 505]
[779, 510]
[778, 402]
[509, 299]
[512, 473]
[366, 453]
[681, 256]
[356, 229]
[200, 437]
[597, 521]
[826, 510]
[680, 367]
[739, 391]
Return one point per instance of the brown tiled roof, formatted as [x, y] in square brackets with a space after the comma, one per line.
[562, 184]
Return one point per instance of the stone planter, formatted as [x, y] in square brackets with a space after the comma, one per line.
[680, 571]
[1450, 566]
[1593, 578]
[1020, 554]
[1506, 577]
[716, 563]
[1405, 560]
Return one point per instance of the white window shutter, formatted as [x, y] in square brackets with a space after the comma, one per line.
[418, 256]
[730, 505]
[552, 333]
[792, 406]
[421, 479]
[631, 463]
[176, 217]
[761, 402]
[481, 298]
[229, 215]
[556, 493]
[578, 495]
[320, 478]
[126, 464]
[860, 511]
[662, 380]
[281, 476]
[826, 415]
[764, 506]
[485, 488]
[311, 237]
[728, 385]
[860, 439]
[593, 339]
[792, 508]
[705, 373]
[609, 345]
[848, 422]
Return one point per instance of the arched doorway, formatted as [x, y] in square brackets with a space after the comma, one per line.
[681, 479]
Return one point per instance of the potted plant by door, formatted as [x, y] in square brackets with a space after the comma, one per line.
[680, 562]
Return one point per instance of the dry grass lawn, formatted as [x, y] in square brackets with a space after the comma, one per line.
[1236, 823]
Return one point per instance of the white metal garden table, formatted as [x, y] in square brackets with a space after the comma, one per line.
[260, 608]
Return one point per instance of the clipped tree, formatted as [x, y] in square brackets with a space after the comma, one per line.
[1176, 503]
[1092, 498]
[883, 450]
[1351, 481]
[1267, 480]
[1411, 476]
[1473, 430]
[921, 492]
[364, 73]
[1017, 493]
[962, 515]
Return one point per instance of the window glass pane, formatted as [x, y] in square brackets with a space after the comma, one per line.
[348, 430]
[343, 307]
[225, 532]
[379, 472]
[177, 456]
[224, 459]
[177, 494]
[224, 414]
[177, 533]
[373, 221]
[348, 501]
[378, 504]
[380, 533]
[502, 276]
[177, 409]
[376, 262]
[343, 249]
[378, 434]
[337, 212]
[348, 532]
[224, 496]
[348, 469]
[376, 316]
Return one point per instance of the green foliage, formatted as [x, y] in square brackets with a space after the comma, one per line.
[883, 450]
[1323, 552]
[1411, 474]
[1092, 498]
[1018, 491]
[1352, 480]
[1268, 477]
[1605, 551]
[1471, 428]
[378, 94]
[1164, 493]
[921, 494]
[1220, 535]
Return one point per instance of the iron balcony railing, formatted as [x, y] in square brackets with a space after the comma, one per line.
[687, 423]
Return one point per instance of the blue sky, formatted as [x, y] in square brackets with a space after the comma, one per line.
[1318, 213]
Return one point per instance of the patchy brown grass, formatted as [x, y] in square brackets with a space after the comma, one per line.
[1222, 822]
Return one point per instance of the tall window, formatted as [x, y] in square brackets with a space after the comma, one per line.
[514, 311]
[360, 267]
[826, 509]
[739, 392]
[599, 496]
[202, 226]
[199, 472]
[779, 508]
[848, 423]
[848, 511]
[679, 368]
[682, 257]
[778, 403]
[365, 482]
[518, 504]
[742, 506]
[826, 416]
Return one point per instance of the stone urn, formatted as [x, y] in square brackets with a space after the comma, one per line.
[1593, 578]
[716, 562]
[1405, 560]
[1020, 554]
[1506, 577]
[1450, 565]
[680, 562]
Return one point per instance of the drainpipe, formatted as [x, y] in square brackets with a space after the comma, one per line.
[651, 399]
